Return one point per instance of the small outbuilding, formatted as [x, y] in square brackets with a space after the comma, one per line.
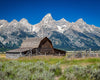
[35, 46]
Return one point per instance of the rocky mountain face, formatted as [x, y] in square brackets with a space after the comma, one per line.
[63, 34]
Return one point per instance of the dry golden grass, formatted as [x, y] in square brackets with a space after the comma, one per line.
[41, 57]
[2, 56]
[48, 59]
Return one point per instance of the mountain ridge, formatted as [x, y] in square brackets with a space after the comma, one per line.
[65, 35]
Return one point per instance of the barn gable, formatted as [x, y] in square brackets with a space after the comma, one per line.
[46, 46]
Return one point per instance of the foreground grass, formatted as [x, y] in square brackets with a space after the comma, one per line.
[14, 70]
[65, 64]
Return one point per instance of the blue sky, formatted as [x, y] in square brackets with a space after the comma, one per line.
[35, 10]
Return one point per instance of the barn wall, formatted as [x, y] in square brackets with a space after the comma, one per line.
[59, 52]
[13, 55]
[46, 48]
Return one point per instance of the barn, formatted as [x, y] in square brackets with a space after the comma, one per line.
[35, 46]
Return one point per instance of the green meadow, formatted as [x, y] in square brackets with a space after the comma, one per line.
[49, 68]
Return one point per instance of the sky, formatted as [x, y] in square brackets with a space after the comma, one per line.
[35, 10]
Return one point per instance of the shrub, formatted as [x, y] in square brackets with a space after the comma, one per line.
[81, 73]
[56, 69]
[14, 70]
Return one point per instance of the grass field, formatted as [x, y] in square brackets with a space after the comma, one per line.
[65, 62]
[52, 60]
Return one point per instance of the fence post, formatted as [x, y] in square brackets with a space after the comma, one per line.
[96, 54]
[59, 53]
[86, 53]
[89, 52]
[45, 53]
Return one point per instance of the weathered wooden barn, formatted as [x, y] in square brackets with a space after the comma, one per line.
[35, 46]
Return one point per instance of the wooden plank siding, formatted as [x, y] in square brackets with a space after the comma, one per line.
[46, 47]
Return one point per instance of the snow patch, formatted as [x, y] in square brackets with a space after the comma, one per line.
[1, 26]
[60, 29]
[35, 29]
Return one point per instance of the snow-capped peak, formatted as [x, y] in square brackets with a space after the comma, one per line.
[14, 21]
[23, 20]
[47, 17]
[80, 21]
[3, 22]
[63, 19]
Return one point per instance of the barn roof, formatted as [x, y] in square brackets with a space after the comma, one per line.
[28, 44]
[31, 42]
[19, 50]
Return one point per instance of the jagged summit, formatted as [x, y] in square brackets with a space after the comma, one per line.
[3, 21]
[14, 21]
[23, 20]
[80, 21]
[47, 17]
[63, 19]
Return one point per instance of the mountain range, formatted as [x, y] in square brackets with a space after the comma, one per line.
[64, 34]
